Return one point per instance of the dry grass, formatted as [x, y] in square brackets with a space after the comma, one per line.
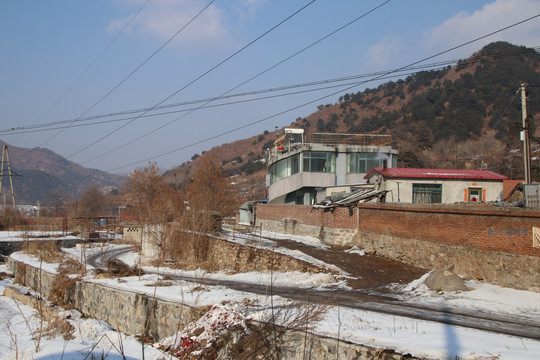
[61, 285]
[47, 251]
[20, 274]
[4, 275]
[160, 283]
[59, 326]
[115, 268]
[70, 266]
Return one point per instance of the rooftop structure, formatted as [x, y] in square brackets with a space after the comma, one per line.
[306, 170]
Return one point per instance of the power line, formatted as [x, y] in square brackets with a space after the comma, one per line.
[433, 66]
[95, 60]
[326, 96]
[243, 83]
[88, 68]
[135, 70]
[198, 78]
[24, 130]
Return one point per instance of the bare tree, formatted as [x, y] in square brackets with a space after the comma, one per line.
[56, 200]
[211, 189]
[150, 198]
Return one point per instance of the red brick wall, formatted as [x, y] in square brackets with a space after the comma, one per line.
[340, 218]
[481, 227]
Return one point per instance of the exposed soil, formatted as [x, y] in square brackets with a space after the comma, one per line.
[368, 271]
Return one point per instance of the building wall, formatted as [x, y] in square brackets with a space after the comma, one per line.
[482, 242]
[452, 190]
[278, 190]
[133, 234]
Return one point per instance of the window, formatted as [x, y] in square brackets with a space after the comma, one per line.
[284, 168]
[319, 161]
[475, 194]
[362, 163]
[427, 193]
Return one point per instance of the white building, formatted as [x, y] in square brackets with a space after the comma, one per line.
[437, 185]
[300, 171]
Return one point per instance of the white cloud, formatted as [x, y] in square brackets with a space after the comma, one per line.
[464, 27]
[163, 18]
[382, 54]
[251, 7]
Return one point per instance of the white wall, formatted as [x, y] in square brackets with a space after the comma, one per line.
[452, 190]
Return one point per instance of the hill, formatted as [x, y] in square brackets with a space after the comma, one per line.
[42, 172]
[462, 116]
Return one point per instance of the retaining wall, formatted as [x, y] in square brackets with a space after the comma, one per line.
[489, 243]
[9, 247]
[135, 314]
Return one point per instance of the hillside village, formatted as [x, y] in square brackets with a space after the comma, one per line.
[420, 177]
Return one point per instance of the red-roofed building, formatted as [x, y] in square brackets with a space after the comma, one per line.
[438, 185]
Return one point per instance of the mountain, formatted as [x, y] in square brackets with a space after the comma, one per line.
[39, 172]
[462, 116]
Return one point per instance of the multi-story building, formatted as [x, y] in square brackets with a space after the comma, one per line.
[304, 171]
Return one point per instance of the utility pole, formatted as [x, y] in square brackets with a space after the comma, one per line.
[525, 135]
[5, 157]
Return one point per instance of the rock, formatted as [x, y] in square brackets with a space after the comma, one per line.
[370, 251]
[445, 280]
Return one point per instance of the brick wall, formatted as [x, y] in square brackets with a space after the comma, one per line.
[485, 228]
[340, 218]
[485, 243]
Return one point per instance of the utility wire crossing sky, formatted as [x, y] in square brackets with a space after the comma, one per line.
[217, 65]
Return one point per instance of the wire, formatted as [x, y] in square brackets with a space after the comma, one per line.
[433, 66]
[26, 130]
[135, 70]
[239, 85]
[196, 79]
[324, 97]
[95, 60]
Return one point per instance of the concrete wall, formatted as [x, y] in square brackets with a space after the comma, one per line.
[494, 244]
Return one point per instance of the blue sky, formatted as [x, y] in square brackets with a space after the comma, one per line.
[51, 69]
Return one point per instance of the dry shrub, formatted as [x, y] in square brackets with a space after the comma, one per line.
[69, 266]
[160, 283]
[4, 275]
[59, 326]
[60, 286]
[20, 274]
[115, 268]
[47, 251]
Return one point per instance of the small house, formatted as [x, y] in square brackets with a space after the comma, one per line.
[410, 185]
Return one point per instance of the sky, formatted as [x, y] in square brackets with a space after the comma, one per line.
[74, 72]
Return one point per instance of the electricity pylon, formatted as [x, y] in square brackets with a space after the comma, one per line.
[5, 159]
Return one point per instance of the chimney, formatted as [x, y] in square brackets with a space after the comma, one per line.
[384, 164]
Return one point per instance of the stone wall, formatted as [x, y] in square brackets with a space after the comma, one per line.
[222, 254]
[482, 242]
[129, 312]
[337, 225]
[134, 314]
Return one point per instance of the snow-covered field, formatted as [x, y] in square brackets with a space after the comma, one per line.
[405, 335]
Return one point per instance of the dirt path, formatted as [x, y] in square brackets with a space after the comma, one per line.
[368, 271]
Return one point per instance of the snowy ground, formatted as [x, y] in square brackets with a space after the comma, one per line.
[405, 335]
